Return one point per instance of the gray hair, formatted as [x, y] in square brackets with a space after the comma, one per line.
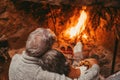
[39, 41]
[54, 61]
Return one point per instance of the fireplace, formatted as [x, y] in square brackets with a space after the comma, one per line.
[93, 23]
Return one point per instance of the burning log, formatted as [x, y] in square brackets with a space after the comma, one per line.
[77, 51]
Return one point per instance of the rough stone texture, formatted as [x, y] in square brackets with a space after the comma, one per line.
[115, 76]
[104, 58]
[14, 25]
[106, 3]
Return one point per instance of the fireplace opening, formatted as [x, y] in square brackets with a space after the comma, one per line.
[93, 23]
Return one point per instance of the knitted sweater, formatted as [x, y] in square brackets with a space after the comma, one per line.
[24, 67]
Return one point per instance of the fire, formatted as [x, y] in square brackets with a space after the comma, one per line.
[79, 27]
[84, 36]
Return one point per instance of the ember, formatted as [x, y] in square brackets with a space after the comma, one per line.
[84, 36]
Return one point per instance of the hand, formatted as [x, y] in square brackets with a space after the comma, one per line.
[88, 62]
[84, 63]
[91, 61]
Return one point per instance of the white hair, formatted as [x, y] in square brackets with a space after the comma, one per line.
[39, 41]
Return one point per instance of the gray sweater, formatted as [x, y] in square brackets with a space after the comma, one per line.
[24, 67]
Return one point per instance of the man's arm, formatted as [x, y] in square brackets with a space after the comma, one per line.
[46, 75]
[92, 73]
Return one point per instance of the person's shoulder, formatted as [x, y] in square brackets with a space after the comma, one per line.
[16, 56]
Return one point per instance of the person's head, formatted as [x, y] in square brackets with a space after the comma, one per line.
[39, 41]
[54, 61]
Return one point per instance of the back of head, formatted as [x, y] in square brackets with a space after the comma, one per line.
[39, 41]
[54, 61]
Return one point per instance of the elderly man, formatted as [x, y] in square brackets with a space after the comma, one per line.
[26, 66]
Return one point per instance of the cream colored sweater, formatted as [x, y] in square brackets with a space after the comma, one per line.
[24, 67]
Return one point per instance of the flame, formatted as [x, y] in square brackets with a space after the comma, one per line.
[79, 27]
[84, 36]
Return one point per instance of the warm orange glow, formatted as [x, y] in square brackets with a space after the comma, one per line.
[84, 36]
[79, 27]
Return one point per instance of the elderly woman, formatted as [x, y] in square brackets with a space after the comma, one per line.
[55, 61]
[26, 66]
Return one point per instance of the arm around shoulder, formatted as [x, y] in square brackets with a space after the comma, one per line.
[91, 74]
[46, 75]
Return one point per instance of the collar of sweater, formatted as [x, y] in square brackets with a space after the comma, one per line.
[29, 59]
